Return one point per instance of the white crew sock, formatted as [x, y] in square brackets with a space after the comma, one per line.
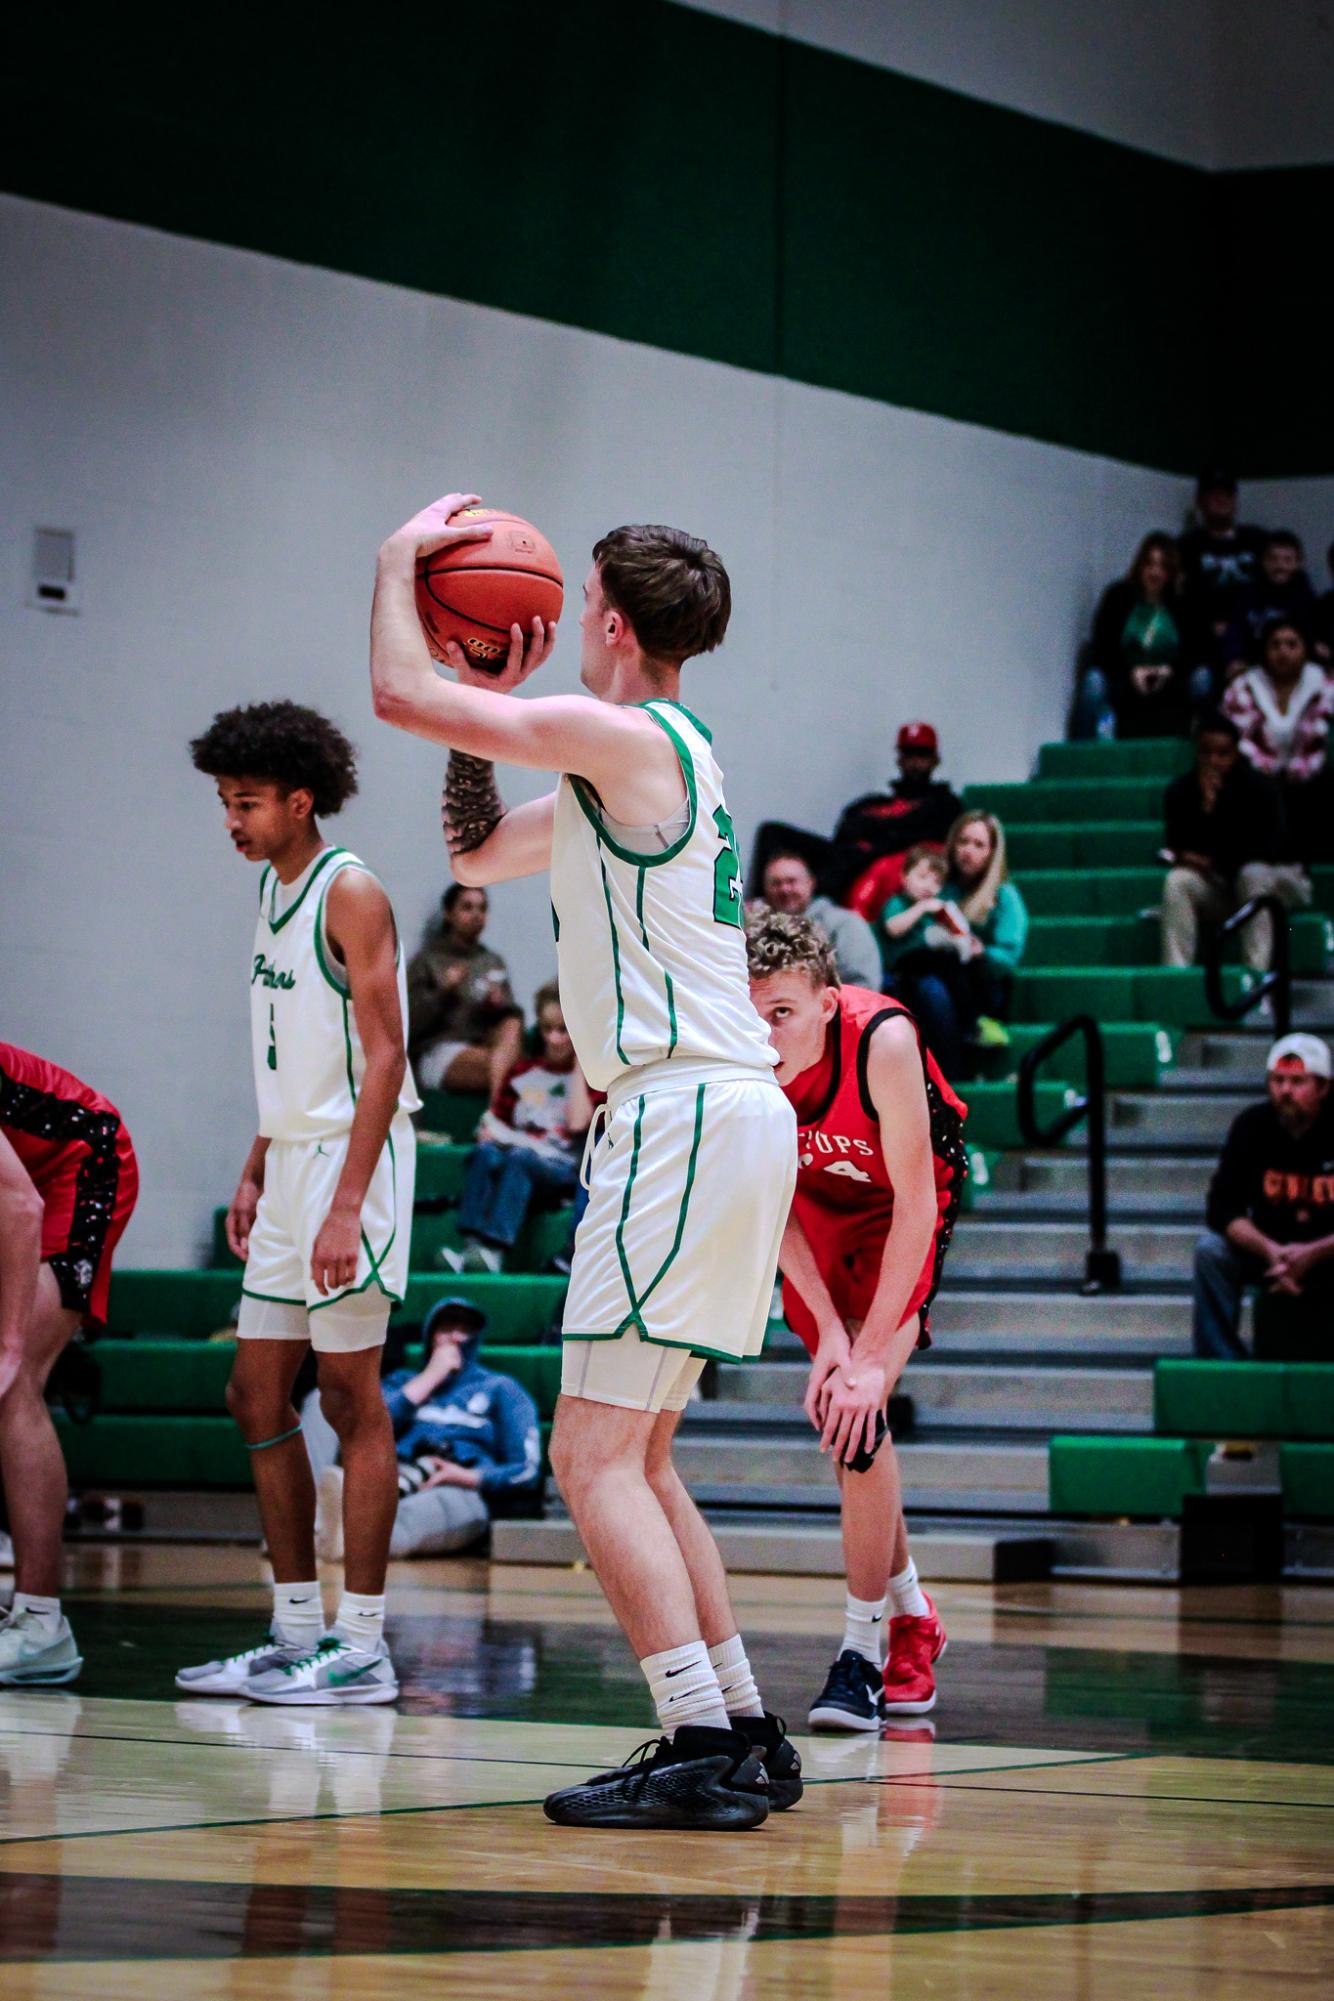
[298, 1615]
[864, 1627]
[685, 1688]
[361, 1620]
[740, 1695]
[44, 1612]
[909, 1598]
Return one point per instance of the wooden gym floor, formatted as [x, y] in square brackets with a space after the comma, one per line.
[1126, 1793]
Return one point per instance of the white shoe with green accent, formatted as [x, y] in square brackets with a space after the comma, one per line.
[231, 1675]
[36, 1654]
[336, 1675]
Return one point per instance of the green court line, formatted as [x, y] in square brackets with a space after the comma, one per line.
[255, 1820]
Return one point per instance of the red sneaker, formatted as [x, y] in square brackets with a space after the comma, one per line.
[915, 1645]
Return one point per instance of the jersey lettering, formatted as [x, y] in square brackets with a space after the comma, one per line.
[727, 872]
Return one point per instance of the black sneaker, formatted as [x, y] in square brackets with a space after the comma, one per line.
[702, 1778]
[850, 1698]
[778, 1754]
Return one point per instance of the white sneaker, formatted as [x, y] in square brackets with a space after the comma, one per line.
[329, 1515]
[231, 1676]
[335, 1675]
[482, 1257]
[36, 1654]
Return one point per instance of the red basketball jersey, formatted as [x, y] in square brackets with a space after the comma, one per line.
[844, 1197]
[47, 1114]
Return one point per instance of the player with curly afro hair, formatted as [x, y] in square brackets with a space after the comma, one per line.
[286, 745]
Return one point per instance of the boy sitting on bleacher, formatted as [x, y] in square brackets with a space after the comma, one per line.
[468, 1443]
[1271, 1217]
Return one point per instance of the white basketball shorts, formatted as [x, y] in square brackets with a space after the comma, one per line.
[674, 1260]
[300, 1177]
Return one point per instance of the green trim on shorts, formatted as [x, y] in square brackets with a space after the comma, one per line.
[637, 1304]
[654, 1341]
[624, 1216]
[272, 1298]
[354, 1291]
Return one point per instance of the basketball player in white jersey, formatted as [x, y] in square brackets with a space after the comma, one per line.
[323, 1211]
[691, 1178]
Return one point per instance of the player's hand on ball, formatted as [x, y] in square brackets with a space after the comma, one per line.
[430, 528]
[333, 1262]
[528, 651]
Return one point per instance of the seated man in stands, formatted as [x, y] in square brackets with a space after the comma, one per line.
[468, 1441]
[464, 1030]
[527, 1143]
[1271, 1217]
[1223, 839]
[1219, 558]
[1280, 589]
[874, 832]
[789, 886]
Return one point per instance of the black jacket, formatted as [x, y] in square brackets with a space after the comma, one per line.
[1285, 1186]
[888, 823]
[1245, 826]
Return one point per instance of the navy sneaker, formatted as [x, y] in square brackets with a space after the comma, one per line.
[850, 1698]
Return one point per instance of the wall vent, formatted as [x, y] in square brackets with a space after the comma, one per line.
[54, 586]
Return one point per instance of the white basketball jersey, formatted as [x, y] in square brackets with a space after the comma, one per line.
[650, 948]
[308, 1057]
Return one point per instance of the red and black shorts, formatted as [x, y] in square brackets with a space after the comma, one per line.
[88, 1193]
[849, 1261]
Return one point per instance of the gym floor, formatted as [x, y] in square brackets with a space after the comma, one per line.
[1123, 1792]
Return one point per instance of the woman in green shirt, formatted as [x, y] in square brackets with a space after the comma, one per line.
[956, 973]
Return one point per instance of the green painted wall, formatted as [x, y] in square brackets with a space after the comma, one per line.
[655, 173]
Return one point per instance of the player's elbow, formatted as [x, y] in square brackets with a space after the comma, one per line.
[469, 870]
[21, 1211]
[390, 702]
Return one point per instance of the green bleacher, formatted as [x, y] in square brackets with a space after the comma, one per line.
[1196, 1405]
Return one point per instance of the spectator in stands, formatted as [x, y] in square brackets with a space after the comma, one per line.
[861, 866]
[468, 1441]
[1223, 838]
[914, 919]
[789, 886]
[880, 827]
[1219, 558]
[464, 1030]
[959, 984]
[1322, 619]
[1271, 1216]
[527, 1143]
[1283, 710]
[1136, 681]
[1280, 590]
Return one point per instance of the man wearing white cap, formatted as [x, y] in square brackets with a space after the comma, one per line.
[1271, 1215]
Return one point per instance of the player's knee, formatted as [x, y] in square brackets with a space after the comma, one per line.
[257, 1410]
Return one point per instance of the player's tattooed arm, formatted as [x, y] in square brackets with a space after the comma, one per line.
[471, 808]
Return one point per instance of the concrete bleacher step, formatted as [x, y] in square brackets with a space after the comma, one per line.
[1155, 1322]
[1133, 1180]
[978, 1475]
[952, 1395]
[1039, 1250]
[1157, 1118]
[797, 1546]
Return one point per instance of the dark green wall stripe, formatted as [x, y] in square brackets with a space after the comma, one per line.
[668, 177]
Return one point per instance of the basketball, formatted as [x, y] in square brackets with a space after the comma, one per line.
[473, 592]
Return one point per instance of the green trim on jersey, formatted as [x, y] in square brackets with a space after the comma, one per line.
[615, 961]
[689, 715]
[277, 923]
[666, 976]
[583, 792]
[638, 1301]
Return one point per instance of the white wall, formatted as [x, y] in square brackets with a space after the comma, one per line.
[1215, 83]
[230, 436]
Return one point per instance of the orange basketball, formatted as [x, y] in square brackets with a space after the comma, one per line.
[475, 591]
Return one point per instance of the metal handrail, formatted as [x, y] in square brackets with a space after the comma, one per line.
[1102, 1265]
[1277, 981]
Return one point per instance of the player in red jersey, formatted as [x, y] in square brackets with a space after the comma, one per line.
[880, 1169]
[68, 1182]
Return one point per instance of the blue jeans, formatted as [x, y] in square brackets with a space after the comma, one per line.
[1094, 715]
[499, 1184]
